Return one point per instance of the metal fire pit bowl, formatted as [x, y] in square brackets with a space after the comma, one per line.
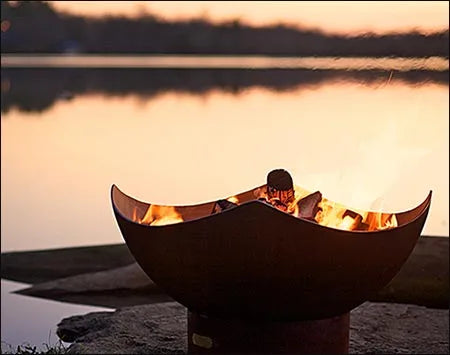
[255, 262]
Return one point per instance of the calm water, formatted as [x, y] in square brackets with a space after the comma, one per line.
[363, 137]
[222, 62]
[33, 320]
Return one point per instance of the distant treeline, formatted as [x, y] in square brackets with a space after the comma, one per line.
[38, 89]
[35, 27]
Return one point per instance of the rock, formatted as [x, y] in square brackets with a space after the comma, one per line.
[388, 328]
[423, 279]
[97, 276]
[123, 286]
[38, 266]
[148, 329]
[161, 328]
[130, 276]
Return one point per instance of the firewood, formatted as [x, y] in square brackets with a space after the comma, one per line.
[309, 206]
[356, 217]
[362, 227]
[222, 205]
[280, 187]
[275, 202]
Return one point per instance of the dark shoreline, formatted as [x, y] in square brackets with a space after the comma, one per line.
[45, 265]
[115, 280]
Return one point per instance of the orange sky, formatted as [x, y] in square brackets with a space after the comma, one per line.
[332, 16]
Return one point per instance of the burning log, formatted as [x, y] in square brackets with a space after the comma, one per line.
[309, 206]
[280, 188]
[363, 226]
[222, 205]
[351, 220]
[279, 192]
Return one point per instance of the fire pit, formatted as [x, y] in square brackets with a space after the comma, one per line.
[259, 278]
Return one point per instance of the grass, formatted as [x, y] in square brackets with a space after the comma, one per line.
[25, 348]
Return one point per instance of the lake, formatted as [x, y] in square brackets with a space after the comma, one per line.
[33, 320]
[366, 132]
[371, 133]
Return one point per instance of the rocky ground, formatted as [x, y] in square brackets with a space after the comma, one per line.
[107, 276]
[411, 314]
[377, 328]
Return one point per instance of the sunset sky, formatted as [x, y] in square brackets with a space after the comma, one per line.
[330, 16]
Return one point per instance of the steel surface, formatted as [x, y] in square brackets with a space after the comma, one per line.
[256, 262]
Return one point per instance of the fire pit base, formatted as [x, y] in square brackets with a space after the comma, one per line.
[221, 336]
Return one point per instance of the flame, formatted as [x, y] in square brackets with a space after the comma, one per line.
[159, 216]
[261, 193]
[330, 214]
[293, 208]
[299, 194]
[392, 222]
[135, 218]
[348, 223]
[333, 215]
[295, 211]
[380, 221]
[233, 199]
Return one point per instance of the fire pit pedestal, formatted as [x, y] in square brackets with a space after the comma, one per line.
[222, 336]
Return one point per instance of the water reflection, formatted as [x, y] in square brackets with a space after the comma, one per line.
[39, 89]
[352, 141]
[33, 320]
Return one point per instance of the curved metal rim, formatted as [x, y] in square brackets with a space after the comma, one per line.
[423, 206]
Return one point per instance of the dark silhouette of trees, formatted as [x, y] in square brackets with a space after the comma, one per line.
[34, 27]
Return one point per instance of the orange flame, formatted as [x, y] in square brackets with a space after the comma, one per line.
[348, 223]
[380, 221]
[233, 199]
[330, 214]
[160, 215]
[334, 215]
